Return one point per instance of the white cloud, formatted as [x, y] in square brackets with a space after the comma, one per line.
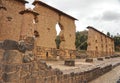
[97, 13]
[111, 16]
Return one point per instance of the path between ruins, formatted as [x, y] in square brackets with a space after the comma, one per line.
[110, 77]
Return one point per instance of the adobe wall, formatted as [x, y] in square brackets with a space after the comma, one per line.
[47, 21]
[68, 31]
[28, 24]
[99, 45]
[46, 27]
[16, 27]
[11, 20]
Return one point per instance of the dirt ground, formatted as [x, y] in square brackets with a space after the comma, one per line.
[81, 65]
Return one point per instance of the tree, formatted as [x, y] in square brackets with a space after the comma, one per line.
[81, 40]
[57, 40]
[117, 43]
[108, 34]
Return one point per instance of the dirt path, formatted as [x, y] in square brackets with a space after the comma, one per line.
[110, 77]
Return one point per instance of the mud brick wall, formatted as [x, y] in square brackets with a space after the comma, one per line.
[28, 24]
[46, 27]
[10, 19]
[47, 21]
[15, 26]
[99, 44]
[68, 33]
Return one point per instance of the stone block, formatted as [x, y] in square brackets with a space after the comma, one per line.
[100, 59]
[28, 57]
[29, 40]
[12, 56]
[27, 44]
[10, 77]
[89, 60]
[10, 45]
[8, 68]
[107, 57]
[69, 62]
[118, 81]
[31, 80]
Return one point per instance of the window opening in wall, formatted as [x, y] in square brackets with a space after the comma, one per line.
[59, 29]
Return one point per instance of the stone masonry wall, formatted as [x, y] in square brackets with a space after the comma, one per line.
[99, 44]
[19, 66]
[13, 70]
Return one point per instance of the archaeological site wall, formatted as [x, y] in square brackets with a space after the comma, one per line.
[99, 44]
[10, 19]
[47, 20]
[14, 70]
[28, 23]
[17, 23]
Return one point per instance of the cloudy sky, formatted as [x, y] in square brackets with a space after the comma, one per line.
[104, 15]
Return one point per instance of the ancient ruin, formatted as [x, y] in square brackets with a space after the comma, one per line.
[99, 44]
[27, 36]
[28, 23]
[47, 20]
[10, 19]
[27, 43]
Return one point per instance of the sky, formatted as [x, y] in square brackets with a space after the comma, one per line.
[103, 15]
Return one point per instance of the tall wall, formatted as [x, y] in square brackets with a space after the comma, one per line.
[10, 22]
[99, 44]
[28, 23]
[46, 27]
[47, 21]
[68, 31]
[15, 26]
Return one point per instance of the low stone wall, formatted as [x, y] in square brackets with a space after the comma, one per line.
[29, 73]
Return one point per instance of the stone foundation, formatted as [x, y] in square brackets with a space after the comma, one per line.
[39, 72]
[53, 53]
